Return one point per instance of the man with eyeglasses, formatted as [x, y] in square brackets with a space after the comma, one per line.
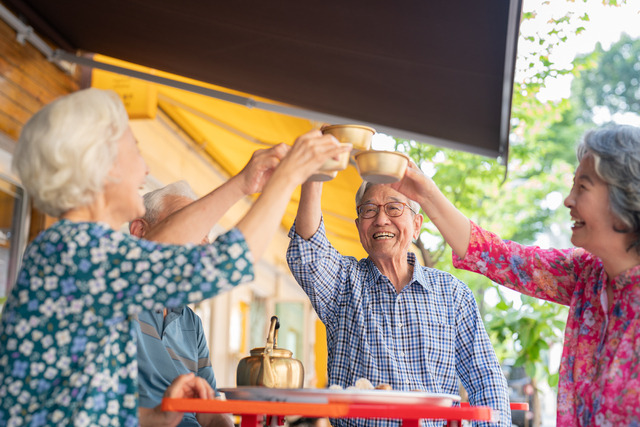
[388, 319]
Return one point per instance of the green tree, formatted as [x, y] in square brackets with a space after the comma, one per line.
[608, 80]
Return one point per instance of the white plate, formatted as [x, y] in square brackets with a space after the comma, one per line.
[323, 395]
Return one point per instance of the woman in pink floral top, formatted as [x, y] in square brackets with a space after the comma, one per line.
[599, 279]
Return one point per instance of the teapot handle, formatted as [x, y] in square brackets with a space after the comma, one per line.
[269, 377]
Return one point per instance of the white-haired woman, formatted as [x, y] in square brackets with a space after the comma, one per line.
[66, 351]
[599, 279]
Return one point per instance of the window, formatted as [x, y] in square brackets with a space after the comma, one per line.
[14, 223]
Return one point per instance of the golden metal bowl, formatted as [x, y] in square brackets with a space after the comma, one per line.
[381, 167]
[323, 176]
[357, 135]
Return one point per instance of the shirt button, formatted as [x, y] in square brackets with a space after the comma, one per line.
[401, 354]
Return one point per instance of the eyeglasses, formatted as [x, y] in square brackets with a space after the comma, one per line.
[392, 209]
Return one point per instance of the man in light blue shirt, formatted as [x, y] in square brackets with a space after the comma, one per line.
[168, 346]
[171, 342]
[388, 319]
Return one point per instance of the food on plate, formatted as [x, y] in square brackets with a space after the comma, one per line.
[383, 386]
[362, 384]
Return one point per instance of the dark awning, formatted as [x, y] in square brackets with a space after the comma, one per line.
[439, 72]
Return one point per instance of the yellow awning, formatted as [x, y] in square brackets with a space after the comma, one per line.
[229, 133]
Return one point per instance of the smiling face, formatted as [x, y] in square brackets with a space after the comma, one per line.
[125, 178]
[594, 223]
[385, 237]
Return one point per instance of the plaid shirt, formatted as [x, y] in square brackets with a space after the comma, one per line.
[424, 338]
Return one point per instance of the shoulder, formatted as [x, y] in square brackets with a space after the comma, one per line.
[451, 290]
[190, 317]
[443, 280]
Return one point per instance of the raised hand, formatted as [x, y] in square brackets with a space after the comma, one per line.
[308, 153]
[258, 170]
[451, 223]
[415, 184]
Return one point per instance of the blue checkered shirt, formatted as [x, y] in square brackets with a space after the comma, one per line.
[427, 337]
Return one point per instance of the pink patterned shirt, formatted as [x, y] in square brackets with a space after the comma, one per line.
[600, 368]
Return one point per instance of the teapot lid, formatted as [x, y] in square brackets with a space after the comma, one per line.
[277, 352]
[271, 347]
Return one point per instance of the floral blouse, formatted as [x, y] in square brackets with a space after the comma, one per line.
[67, 351]
[600, 368]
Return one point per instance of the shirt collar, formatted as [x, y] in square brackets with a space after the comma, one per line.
[177, 310]
[418, 274]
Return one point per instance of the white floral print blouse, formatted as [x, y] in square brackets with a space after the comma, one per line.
[67, 352]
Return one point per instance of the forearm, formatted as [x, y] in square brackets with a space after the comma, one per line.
[193, 222]
[452, 224]
[263, 219]
[214, 420]
[156, 417]
[309, 210]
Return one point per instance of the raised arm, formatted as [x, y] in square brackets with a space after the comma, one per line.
[190, 223]
[305, 157]
[309, 209]
[452, 224]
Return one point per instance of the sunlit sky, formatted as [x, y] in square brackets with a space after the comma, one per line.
[605, 25]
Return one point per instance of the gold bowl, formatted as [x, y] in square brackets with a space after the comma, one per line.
[323, 176]
[357, 135]
[381, 167]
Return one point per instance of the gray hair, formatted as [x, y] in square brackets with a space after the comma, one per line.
[616, 153]
[415, 206]
[68, 147]
[155, 201]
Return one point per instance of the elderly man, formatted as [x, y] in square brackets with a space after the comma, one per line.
[171, 342]
[388, 319]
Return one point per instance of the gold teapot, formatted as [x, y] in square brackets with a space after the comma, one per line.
[270, 366]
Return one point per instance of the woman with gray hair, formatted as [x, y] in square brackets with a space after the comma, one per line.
[599, 279]
[66, 351]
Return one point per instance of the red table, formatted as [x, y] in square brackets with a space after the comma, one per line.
[253, 410]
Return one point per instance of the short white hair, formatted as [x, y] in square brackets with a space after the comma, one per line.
[415, 206]
[155, 201]
[67, 149]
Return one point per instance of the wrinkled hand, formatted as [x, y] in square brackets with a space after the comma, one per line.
[258, 170]
[308, 153]
[414, 183]
[189, 386]
[183, 387]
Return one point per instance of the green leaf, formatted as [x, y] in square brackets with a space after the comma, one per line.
[552, 380]
[502, 306]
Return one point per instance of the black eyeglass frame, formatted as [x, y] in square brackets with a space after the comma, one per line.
[385, 209]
